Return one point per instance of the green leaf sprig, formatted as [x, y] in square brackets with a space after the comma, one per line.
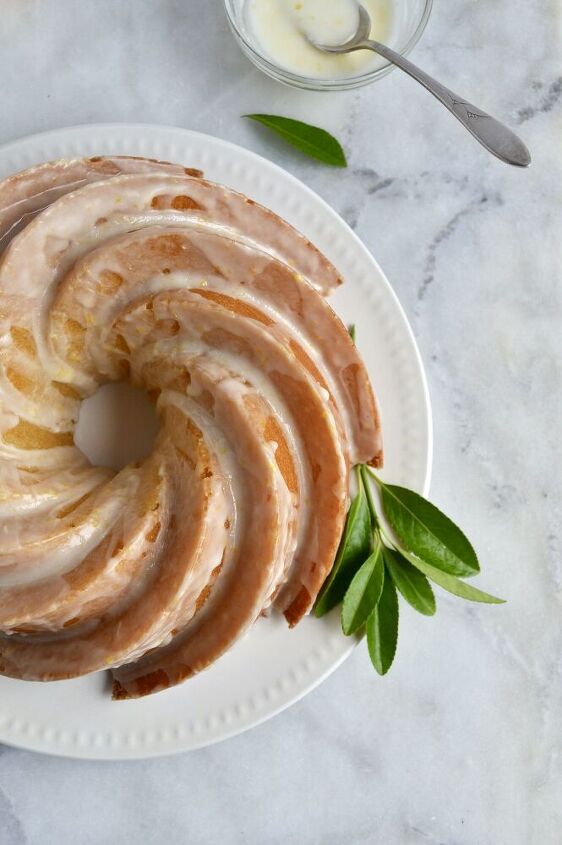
[374, 566]
[310, 140]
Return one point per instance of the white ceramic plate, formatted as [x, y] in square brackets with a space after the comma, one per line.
[272, 667]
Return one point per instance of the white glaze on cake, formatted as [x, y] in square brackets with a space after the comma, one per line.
[216, 308]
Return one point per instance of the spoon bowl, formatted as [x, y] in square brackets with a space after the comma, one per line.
[357, 40]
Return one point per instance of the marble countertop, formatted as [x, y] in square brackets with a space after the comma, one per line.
[461, 743]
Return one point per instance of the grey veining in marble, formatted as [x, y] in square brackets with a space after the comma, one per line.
[461, 743]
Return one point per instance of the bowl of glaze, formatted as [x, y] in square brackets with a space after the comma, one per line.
[405, 21]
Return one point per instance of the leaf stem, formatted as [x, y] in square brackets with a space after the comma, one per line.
[390, 541]
[370, 471]
[363, 474]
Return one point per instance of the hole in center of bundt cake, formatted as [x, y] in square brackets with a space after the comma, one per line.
[117, 425]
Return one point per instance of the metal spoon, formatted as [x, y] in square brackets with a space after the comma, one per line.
[493, 135]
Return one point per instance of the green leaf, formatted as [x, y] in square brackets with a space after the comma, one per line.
[352, 332]
[363, 593]
[355, 547]
[450, 583]
[413, 585]
[426, 532]
[382, 629]
[310, 140]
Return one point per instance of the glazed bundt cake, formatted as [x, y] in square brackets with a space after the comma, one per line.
[129, 269]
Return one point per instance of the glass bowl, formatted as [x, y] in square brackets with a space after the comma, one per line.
[409, 18]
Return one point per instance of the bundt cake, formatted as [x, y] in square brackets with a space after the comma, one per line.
[130, 269]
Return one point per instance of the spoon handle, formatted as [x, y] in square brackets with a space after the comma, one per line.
[493, 135]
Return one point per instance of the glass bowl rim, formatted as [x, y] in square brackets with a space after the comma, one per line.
[282, 74]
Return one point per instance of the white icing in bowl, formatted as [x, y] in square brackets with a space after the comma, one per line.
[261, 32]
[285, 29]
